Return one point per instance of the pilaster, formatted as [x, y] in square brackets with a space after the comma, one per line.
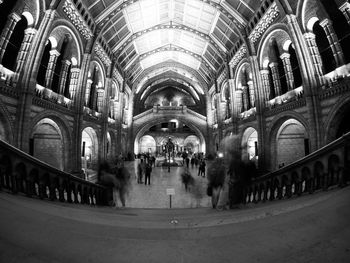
[288, 70]
[7, 33]
[326, 24]
[63, 76]
[54, 54]
[276, 78]
[29, 34]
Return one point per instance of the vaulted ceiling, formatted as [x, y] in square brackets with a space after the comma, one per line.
[190, 38]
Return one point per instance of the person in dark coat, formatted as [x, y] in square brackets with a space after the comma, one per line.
[148, 171]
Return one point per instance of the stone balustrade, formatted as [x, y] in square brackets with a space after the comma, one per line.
[24, 174]
[324, 168]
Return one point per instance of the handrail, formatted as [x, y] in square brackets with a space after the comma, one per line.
[319, 170]
[21, 172]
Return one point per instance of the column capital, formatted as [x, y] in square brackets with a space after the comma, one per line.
[326, 22]
[15, 17]
[285, 55]
[54, 52]
[310, 35]
[273, 64]
[264, 71]
[30, 30]
[89, 81]
[344, 6]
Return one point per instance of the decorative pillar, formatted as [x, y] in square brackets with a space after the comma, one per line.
[7, 33]
[315, 54]
[275, 78]
[251, 94]
[87, 92]
[245, 98]
[29, 34]
[288, 70]
[266, 83]
[345, 8]
[100, 98]
[333, 42]
[239, 101]
[63, 76]
[73, 84]
[51, 68]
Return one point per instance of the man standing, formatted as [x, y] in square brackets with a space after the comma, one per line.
[148, 173]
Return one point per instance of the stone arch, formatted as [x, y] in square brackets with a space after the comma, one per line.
[279, 32]
[62, 28]
[283, 124]
[6, 125]
[60, 123]
[249, 144]
[90, 148]
[337, 120]
[146, 144]
[47, 143]
[141, 130]
[192, 143]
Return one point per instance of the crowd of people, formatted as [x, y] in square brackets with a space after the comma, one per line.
[228, 176]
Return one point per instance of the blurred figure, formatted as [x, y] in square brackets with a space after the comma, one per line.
[148, 171]
[187, 178]
[216, 179]
[201, 169]
[117, 178]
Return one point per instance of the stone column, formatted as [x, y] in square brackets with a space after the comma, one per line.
[345, 8]
[100, 98]
[315, 54]
[288, 70]
[7, 33]
[333, 42]
[29, 34]
[73, 84]
[63, 76]
[251, 93]
[276, 78]
[87, 92]
[239, 102]
[245, 99]
[266, 83]
[51, 68]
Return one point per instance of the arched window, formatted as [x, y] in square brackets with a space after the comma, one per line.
[40, 78]
[295, 67]
[14, 44]
[340, 25]
[5, 8]
[325, 50]
[58, 68]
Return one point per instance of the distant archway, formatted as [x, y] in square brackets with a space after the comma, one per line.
[291, 142]
[89, 144]
[47, 143]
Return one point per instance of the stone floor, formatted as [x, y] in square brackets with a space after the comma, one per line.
[155, 194]
[311, 228]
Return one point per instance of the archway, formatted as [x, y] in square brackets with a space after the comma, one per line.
[147, 144]
[47, 143]
[192, 144]
[292, 142]
[89, 144]
[250, 145]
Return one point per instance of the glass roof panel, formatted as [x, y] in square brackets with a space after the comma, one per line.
[170, 55]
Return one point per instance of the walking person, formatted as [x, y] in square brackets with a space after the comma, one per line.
[148, 171]
[139, 171]
[201, 169]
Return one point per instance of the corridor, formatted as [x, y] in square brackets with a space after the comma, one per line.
[155, 195]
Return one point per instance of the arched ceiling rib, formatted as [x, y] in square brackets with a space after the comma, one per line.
[160, 69]
[139, 31]
[174, 76]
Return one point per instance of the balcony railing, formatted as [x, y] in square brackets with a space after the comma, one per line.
[324, 168]
[22, 173]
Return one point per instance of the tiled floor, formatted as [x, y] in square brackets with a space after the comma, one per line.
[155, 195]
